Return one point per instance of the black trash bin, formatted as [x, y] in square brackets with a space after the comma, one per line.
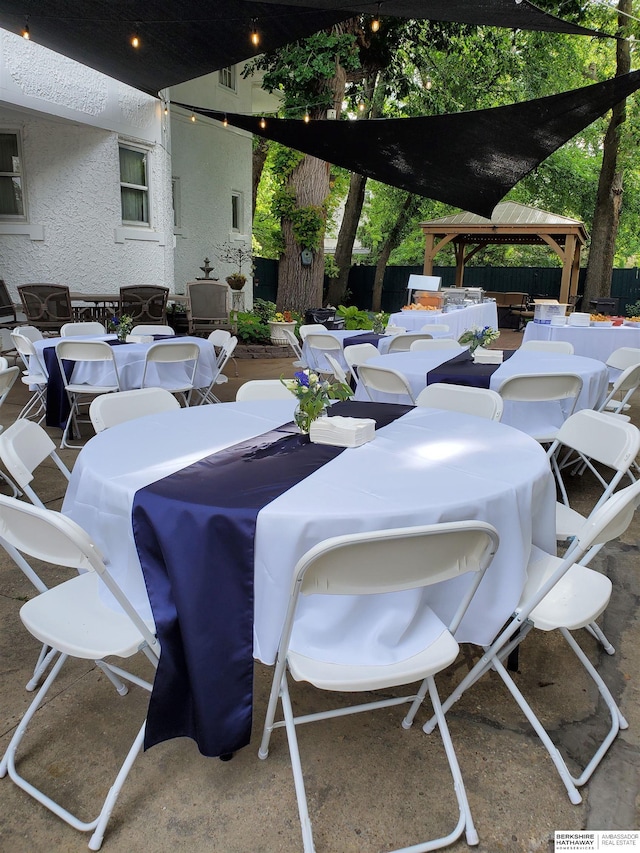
[605, 304]
[325, 316]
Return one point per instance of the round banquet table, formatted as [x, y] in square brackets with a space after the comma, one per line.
[426, 467]
[592, 341]
[525, 416]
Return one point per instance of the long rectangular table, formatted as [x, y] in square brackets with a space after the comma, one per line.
[592, 341]
[426, 466]
[458, 319]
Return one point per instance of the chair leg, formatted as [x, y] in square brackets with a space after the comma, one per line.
[45, 657]
[8, 765]
[296, 767]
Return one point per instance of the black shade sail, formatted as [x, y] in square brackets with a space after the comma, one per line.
[467, 159]
[183, 40]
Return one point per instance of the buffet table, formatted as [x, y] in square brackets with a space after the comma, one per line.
[592, 341]
[425, 466]
[458, 319]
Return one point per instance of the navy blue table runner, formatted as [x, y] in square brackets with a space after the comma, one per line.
[362, 338]
[462, 370]
[194, 532]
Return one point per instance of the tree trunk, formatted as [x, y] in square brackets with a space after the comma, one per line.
[300, 286]
[346, 239]
[609, 198]
[258, 158]
[393, 240]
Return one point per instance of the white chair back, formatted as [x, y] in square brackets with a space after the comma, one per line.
[317, 345]
[548, 346]
[306, 328]
[143, 329]
[482, 402]
[440, 328]
[167, 353]
[358, 354]
[402, 343]
[626, 384]
[624, 357]
[30, 332]
[108, 410]
[295, 346]
[263, 389]
[84, 328]
[384, 380]
[23, 447]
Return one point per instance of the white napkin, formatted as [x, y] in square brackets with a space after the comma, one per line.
[342, 432]
[488, 356]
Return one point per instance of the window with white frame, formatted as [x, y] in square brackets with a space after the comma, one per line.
[236, 211]
[11, 176]
[227, 77]
[134, 187]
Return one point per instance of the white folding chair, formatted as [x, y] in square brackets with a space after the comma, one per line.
[108, 410]
[402, 343]
[72, 619]
[336, 369]
[625, 385]
[384, 380]
[220, 337]
[172, 366]
[30, 332]
[426, 344]
[8, 376]
[540, 388]
[623, 357]
[482, 402]
[306, 328]
[84, 328]
[548, 346]
[318, 345]
[440, 328]
[142, 329]
[79, 393]
[358, 564]
[24, 446]
[263, 389]
[358, 354]
[206, 394]
[562, 595]
[295, 346]
[34, 376]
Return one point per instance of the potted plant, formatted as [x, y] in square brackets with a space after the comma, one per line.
[278, 322]
[236, 280]
[239, 255]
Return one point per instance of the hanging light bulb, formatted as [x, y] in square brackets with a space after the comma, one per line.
[428, 83]
[166, 108]
[375, 24]
[25, 30]
[193, 118]
[255, 35]
[225, 122]
[307, 116]
[263, 123]
[135, 40]
[361, 104]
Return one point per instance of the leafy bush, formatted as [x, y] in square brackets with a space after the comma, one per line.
[633, 309]
[264, 309]
[354, 318]
[251, 329]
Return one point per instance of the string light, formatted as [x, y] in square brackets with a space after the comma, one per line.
[263, 123]
[361, 104]
[166, 109]
[193, 118]
[255, 35]
[375, 24]
[224, 121]
[25, 31]
[428, 83]
[307, 117]
[135, 40]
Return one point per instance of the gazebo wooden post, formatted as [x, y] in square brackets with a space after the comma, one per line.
[428, 255]
[568, 260]
[459, 249]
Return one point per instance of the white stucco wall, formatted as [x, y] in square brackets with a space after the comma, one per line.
[211, 162]
[71, 119]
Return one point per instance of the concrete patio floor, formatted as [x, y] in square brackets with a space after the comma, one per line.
[371, 785]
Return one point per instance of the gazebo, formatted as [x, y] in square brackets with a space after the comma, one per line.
[510, 223]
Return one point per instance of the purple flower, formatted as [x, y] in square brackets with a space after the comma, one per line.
[302, 378]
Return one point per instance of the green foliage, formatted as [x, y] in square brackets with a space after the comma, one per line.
[308, 226]
[633, 310]
[354, 318]
[331, 269]
[251, 329]
[264, 309]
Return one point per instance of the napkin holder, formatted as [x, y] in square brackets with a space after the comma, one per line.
[488, 356]
[342, 432]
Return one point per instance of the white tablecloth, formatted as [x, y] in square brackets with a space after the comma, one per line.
[592, 341]
[530, 417]
[429, 466]
[129, 360]
[458, 320]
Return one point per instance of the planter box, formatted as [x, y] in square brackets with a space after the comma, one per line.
[276, 330]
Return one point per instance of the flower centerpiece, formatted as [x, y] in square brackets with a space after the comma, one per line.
[478, 337]
[314, 395]
[380, 321]
[121, 326]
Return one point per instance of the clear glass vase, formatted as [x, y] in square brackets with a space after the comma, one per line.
[303, 418]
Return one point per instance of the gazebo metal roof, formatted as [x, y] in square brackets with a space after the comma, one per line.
[511, 223]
